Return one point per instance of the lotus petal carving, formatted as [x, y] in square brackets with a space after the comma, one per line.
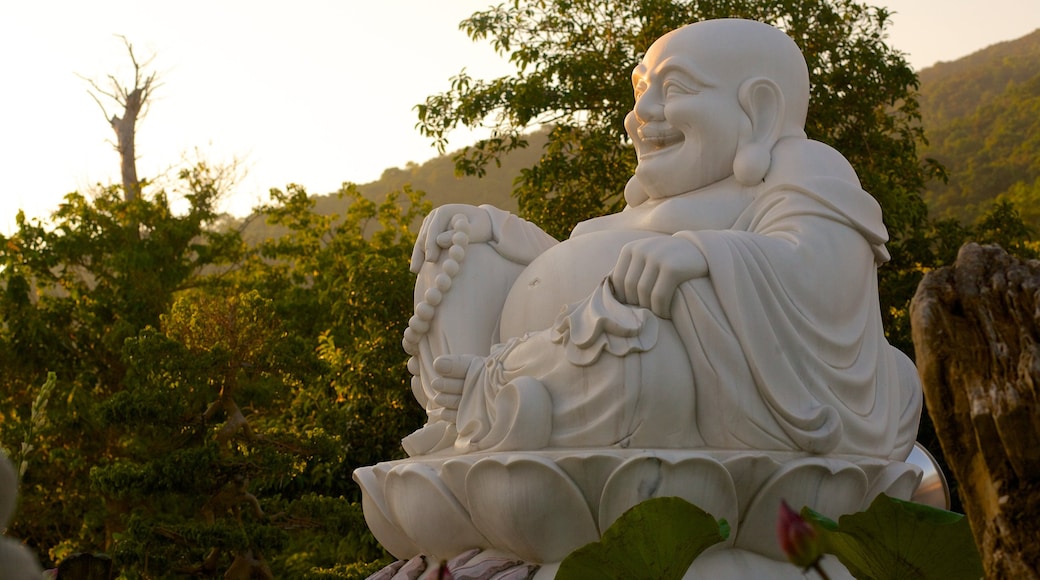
[700, 480]
[540, 506]
[424, 507]
[831, 487]
[528, 506]
[377, 515]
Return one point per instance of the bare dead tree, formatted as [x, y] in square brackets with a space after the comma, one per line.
[134, 101]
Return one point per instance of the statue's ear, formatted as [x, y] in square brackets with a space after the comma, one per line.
[763, 103]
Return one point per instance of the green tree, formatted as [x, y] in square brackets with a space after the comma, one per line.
[75, 288]
[210, 403]
[205, 403]
[1026, 199]
[343, 280]
[340, 284]
[191, 463]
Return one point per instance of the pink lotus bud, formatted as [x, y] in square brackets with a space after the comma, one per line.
[798, 539]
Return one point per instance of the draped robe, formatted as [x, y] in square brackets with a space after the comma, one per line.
[779, 347]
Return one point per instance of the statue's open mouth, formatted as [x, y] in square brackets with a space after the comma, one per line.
[657, 138]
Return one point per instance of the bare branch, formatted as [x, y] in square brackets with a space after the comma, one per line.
[134, 101]
[99, 103]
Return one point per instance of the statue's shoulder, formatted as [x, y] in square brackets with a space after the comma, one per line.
[799, 160]
[822, 175]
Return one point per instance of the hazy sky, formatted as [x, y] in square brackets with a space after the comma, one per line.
[315, 92]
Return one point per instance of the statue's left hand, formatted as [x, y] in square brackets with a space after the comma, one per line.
[448, 387]
[649, 270]
[435, 234]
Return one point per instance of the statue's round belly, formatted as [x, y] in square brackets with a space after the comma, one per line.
[560, 276]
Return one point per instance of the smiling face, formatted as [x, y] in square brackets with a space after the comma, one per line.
[687, 119]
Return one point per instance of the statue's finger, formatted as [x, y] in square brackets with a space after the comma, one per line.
[453, 366]
[443, 414]
[617, 275]
[661, 297]
[648, 280]
[419, 249]
[434, 225]
[632, 278]
[451, 386]
[416, 262]
[447, 400]
[444, 239]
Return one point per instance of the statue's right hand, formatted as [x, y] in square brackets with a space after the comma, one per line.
[435, 233]
[448, 387]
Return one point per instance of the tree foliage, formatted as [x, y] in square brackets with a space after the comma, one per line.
[75, 288]
[209, 401]
[991, 152]
[344, 281]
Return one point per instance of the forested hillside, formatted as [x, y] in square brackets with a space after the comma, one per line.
[436, 178]
[981, 114]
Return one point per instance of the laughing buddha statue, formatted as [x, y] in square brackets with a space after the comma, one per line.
[720, 337]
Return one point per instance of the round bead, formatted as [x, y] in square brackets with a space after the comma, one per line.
[413, 366]
[450, 267]
[460, 238]
[410, 347]
[460, 223]
[457, 253]
[443, 282]
[424, 311]
[432, 297]
[419, 325]
[411, 336]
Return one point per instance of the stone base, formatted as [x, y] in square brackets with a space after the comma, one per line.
[537, 507]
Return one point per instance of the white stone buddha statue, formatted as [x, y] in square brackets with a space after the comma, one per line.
[732, 304]
[721, 336]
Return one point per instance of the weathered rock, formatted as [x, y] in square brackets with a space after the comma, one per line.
[976, 328]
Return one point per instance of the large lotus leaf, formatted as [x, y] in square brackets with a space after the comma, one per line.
[901, 539]
[657, 539]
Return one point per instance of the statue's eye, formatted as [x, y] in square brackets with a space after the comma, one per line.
[639, 87]
[674, 88]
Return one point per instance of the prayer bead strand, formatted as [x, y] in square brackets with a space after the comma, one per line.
[426, 309]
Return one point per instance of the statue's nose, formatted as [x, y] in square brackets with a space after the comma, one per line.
[649, 107]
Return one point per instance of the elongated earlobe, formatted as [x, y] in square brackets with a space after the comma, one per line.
[634, 192]
[752, 163]
[763, 102]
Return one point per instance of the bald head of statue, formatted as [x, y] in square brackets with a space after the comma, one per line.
[711, 100]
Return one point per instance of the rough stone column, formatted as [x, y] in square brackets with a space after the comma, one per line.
[976, 329]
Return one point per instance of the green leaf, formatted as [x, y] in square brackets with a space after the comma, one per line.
[901, 539]
[656, 540]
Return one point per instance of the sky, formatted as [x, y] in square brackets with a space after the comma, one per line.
[315, 92]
